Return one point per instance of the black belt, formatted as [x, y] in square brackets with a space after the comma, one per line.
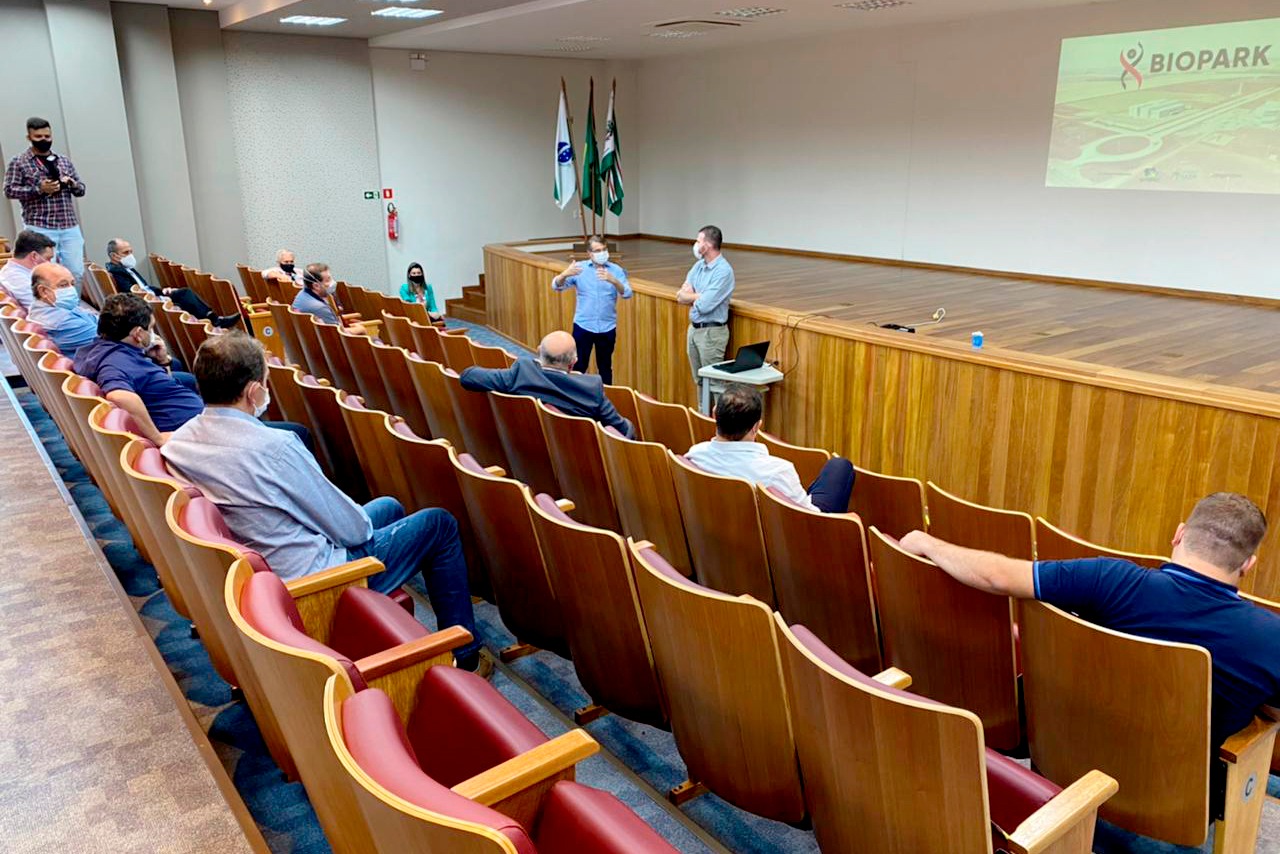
[705, 325]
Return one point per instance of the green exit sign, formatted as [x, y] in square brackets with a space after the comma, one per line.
[371, 194]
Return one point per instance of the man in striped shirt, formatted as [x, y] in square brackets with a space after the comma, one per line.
[44, 184]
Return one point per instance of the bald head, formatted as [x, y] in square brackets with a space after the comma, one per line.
[47, 278]
[558, 350]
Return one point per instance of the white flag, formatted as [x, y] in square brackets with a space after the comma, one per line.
[566, 163]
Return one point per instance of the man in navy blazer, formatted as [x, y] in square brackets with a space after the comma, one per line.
[549, 380]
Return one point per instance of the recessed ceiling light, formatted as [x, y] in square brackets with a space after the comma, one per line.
[405, 12]
[312, 21]
[675, 34]
[583, 39]
[572, 47]
[747, 12]
[872, 5]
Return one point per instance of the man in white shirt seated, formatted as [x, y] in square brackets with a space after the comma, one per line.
[734, 452]
[285, 267]
[30, 249]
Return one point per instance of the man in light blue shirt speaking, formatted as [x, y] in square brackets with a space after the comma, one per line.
[707, 290]
[595, 317]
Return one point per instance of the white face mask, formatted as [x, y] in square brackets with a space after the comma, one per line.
[697, 251]
[262, 407]
[129, 261]
[601, 257]
[66, 297]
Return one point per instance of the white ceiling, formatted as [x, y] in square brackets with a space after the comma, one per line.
[599, 29]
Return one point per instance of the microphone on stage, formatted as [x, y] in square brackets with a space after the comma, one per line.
[911, 327]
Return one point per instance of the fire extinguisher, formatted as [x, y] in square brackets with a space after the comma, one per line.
[393, 222]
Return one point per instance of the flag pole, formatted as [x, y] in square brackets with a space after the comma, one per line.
[591, 108]
[568, 111]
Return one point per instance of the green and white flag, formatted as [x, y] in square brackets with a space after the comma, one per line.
[592, 192]
[611, 160]
[566, 167]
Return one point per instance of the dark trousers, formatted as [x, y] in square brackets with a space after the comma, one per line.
[190, 302]
[831, 490]
[603, 343]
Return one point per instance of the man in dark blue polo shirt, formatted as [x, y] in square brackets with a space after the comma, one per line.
[117, 362]
[1192, 599]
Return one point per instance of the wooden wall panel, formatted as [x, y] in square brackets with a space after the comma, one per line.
[1114, 456]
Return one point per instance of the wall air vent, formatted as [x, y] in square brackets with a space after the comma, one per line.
[571, 47]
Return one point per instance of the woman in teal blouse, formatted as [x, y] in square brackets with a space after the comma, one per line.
[419, 290]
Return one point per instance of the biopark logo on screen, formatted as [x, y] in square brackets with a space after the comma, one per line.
[1190, 60]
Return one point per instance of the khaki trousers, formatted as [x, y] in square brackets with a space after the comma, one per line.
[706, 347]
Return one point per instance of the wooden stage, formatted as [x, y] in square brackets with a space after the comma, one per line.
[1107, 410]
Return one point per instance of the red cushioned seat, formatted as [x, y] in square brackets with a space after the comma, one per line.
[785, 499]
[548, 504]
[201, 518]
[1013, 792]
[576, 819]
[482, 728]
[366, 622]
[86, 388]
[151, 463]
[469, 462]
[377, 741]
[62, 363]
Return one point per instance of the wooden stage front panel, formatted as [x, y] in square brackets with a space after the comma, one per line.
[1109, 452]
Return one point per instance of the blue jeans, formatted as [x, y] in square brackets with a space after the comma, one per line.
[425, 542]
[833, 486]
[70, 248]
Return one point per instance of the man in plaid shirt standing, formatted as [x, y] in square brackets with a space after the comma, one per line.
[44, 183]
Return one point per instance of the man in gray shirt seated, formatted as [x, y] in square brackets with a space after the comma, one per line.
[277, 501]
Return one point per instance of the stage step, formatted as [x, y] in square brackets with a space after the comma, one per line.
[472, 306]
[469, 314]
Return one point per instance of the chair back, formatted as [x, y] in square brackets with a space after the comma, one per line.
[437, 404]
[894, 505]
[341, 372]
[377, 456]
[427, 343]
[397, 330]
[703, 426]
[665, 423]
[489, 357]
[1053, 543]
[53, 369]
[579, 467]
[499, 512]
[81, 396]
[590, 571]
[722, 524]
[524, 442]
[402, 397]
[288, 333]
[808, 461]
[624, 400]
[181, 338]
[293, 673]
[430, 822]
[977, 526]
[822, 576]
[106, 283]
[1134, 708]
[457, 352]
[321, 402]
[645, 496]
[476, 423]
[954, 640]
[434, 483]
[197, 332]
[717, 660]
[369, 384]
[883, 760]
[228, 300]
[149, 484]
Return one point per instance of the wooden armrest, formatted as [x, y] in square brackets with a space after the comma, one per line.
[350, 315]
[455, 331]
[1077, 803]
[894, 678]
[565, 505]
[1246, 740]
[339, 576]
[380, 664]
[371, 326]
[529, 768]
[496, 471]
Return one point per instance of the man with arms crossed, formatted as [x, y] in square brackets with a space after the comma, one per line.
[707, 290]
[1192, 599]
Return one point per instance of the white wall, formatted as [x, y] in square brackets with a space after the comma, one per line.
[467, 146]
[930, 143]
[305, 149]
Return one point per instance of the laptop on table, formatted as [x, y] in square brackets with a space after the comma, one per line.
[749, 358]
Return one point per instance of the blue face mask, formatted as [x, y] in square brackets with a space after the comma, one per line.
[67, 298]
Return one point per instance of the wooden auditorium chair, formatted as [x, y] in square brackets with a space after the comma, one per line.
[527, 804]
[1053, 543]
[332, 438]
[722, 524]
[808, 461]
[822, 576]
[717, 661]
[499, 511]
[433, 393]
[894, 505]
[311, 356]
[290, 348]
[1139, 710]
[490, 357]
[889, 771]
[579, 466]
[53, 369]
[665, 423]
[369, 384]
[298, 634]
[976, 526]
[476, 422]
[623, 399]
[396, 329]
[376, 455]
[524, 442]
[428, 341]
[82, 395]
[401, 394]
[645, 496]
[458, 355]
[251, 286]
[590, 572]
[955, 641]
[341, 372]
[703, 426]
